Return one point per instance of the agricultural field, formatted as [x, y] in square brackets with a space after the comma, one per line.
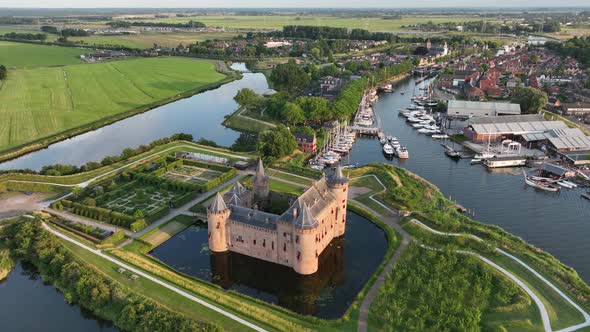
[277, 22]
[21, 55]
[41, 102]
[147, 40]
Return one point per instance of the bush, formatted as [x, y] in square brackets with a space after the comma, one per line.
[138, 225]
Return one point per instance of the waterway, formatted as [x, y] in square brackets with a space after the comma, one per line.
[556, 222]
[28, 304]
[200, 115]
[344, 268]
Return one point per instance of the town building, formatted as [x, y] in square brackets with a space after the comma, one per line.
[470, 109]
[306, 143]
[295, 238]
[577, 109]
[495, 128]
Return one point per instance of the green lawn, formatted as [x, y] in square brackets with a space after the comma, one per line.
[21, 55]
[37, 103]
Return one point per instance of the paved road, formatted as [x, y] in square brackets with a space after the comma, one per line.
[538, 302]
[393, 222]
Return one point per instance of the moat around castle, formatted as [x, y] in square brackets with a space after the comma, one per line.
[344, 267]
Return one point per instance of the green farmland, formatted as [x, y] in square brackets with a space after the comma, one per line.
[278, 21]
[147, 40]
[41, 102]
[21, 55]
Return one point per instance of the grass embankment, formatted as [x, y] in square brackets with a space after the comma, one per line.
[372, 188]
[146, 157]
[40, 103]
[242, 122]
[407, 191]
[162, 233]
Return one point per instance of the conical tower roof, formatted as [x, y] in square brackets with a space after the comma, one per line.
[237, 188]
[337, 177]
[218, 204]
[234, 200]
[260, 174]
[305, 219]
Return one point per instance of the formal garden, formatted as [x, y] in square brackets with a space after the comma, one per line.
[138, 197]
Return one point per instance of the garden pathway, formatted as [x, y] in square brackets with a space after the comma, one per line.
[393, 222]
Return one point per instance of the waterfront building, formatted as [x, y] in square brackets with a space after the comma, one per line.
[470, 109]
[237, 222]
[306, 143]
[517, 127]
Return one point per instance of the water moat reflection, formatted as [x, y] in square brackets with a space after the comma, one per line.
[344, 267]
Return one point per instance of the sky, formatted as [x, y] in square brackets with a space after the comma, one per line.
[285, 3]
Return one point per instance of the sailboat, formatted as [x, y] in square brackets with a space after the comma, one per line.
[540, 183]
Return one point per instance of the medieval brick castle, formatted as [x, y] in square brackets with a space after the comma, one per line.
[295, 238]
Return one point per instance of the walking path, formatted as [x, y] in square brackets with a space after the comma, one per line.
[538, 302]
[392, 222]
[156, 280]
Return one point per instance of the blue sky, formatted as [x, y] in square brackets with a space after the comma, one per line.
[283, 3]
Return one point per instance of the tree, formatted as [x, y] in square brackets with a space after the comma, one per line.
[290, 77]
[531, 100]
[3, 72]
[77, 191]
[316, 109]
[329, 70]
[248, 99]
[292, 113]
[277, 142]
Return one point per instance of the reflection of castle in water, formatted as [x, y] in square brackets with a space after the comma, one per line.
[294, 291]
[295, 238]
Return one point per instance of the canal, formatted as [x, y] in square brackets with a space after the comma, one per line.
[28, 304]
[200, 115]
[556, 222]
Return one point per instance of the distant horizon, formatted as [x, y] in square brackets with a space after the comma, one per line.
[292, 4]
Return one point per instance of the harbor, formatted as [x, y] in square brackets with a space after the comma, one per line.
[554, 221]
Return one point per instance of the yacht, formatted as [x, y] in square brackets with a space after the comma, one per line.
[388, 149]
[402, 153]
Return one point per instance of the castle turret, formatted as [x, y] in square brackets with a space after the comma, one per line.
[217, 216]
[338, 184]
[306, 251]
[260, 183]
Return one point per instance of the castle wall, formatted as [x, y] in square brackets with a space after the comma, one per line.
[253, 241]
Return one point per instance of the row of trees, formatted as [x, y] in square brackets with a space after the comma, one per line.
[188, 25]
[325, 32]
[25, 36]
[578, 48]
[83, 284]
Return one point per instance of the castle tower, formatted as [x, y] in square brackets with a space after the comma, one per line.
[305, 247]
[217, 215]
[338, 184]
[260, 184]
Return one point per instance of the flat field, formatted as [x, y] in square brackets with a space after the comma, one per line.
[277, 22]
[37, 103]
[21, 55]
[147, 40]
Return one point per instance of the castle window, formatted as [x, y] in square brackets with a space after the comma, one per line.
[316, 254]
[254, 242]
[272, 245]
[299, 255]
[343, 201]
[284, 234]
[344, 206]
[218, 225]
[264, 243]
[284, 247]
[344, 190]
[209, 234]
[296, 238]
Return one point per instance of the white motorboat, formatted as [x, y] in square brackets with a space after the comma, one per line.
[402, 153]
[388, 149]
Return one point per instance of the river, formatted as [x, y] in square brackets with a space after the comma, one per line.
[556, 222]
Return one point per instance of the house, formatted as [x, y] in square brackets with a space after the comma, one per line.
[513, 83]
[578, 109]
[306, 143]
[329, 84]
[473, 93]
[495, 128]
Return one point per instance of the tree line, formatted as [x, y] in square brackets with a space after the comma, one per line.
[83, 284]
[3, 72]
[577, 48]
[25, 36]
[325, 32]
[189, 24]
